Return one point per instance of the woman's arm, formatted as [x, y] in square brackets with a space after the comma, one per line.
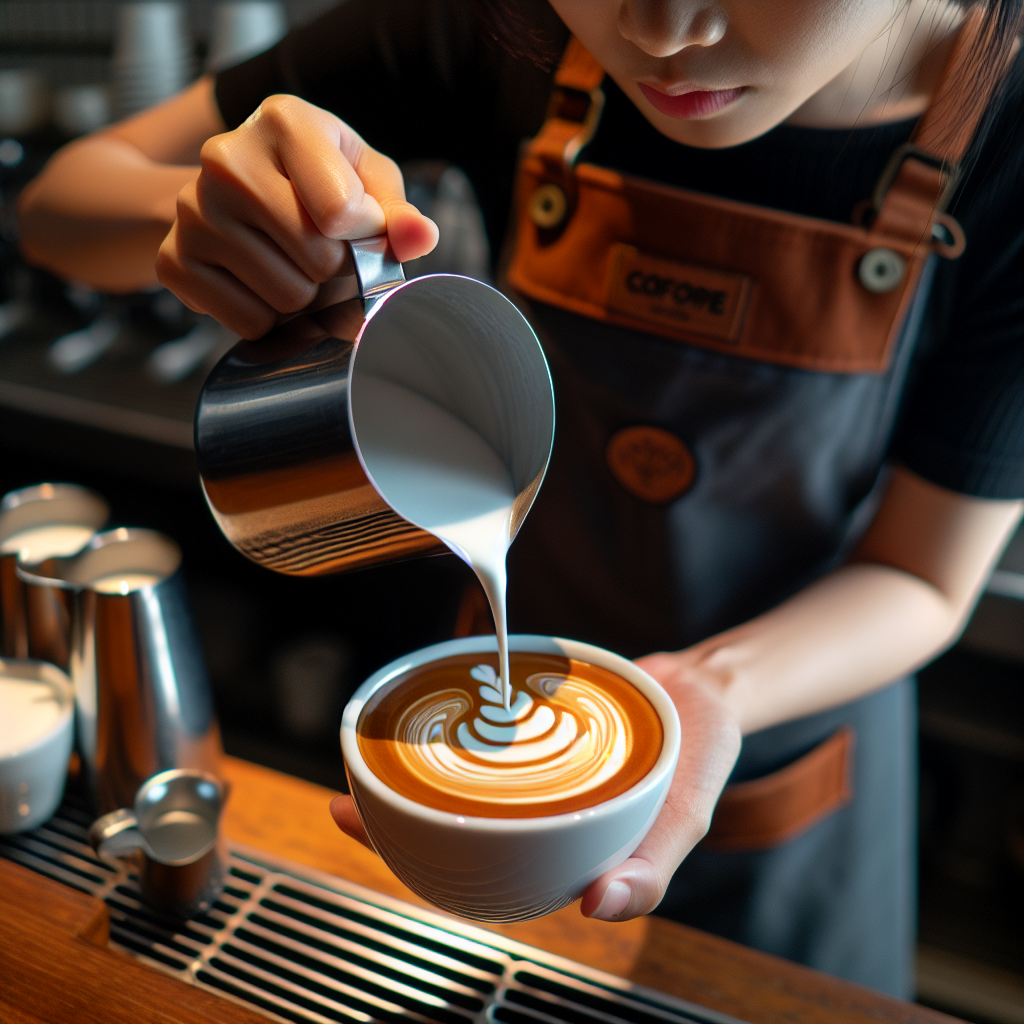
[903, 598]
[103, 204]
[244, 225]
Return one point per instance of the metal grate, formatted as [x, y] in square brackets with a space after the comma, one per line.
[302, 946]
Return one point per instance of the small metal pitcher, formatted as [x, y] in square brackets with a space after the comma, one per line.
[36, 622]
[173, 827]
[277, 437]
[142, 695]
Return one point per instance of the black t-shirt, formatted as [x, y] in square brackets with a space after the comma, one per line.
[418, 79]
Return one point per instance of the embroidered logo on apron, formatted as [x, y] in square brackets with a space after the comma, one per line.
[708, 302]
[652, 464]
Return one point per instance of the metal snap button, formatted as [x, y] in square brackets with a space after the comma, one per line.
[548, 206]
[880, 270]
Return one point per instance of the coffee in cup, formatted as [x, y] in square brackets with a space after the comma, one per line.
[575, 736]
[499, 825]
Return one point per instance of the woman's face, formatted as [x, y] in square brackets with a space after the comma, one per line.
[715, 73]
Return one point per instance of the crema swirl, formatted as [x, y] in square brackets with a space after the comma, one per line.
[575, 736]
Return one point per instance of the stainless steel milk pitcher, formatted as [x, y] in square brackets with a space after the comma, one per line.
[37, 523]
[278, 445]
[142, 697]
[172, 830]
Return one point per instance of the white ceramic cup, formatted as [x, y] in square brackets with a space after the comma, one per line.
[33, 769]
[506, 869]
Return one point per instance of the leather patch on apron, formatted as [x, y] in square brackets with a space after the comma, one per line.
[770, 811]
[651, 463]
[669, 294]
[794, 285]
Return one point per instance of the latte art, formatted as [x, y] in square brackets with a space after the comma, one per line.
[574, 736]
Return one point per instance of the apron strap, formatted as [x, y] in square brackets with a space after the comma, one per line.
[573, 112]
[918, 182]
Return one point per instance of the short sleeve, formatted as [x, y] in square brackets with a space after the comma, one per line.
[418, 79]
[963, 422]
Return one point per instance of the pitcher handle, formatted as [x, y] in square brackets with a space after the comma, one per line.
[116, 834]
[377, 270]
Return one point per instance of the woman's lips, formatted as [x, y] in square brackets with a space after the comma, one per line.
[698, 103]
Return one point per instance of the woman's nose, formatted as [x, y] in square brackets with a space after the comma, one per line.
[664, 27]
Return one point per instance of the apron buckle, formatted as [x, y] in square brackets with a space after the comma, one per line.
[908, 151]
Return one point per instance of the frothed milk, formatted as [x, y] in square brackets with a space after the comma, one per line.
[575, 736]
[441, 475]
[52, 540]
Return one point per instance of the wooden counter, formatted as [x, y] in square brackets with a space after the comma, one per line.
[289, 817]
[55, 970]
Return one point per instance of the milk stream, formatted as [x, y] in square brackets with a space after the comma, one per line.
[440, 474]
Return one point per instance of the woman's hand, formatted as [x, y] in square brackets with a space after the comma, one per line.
[710, 744]
[262, 226]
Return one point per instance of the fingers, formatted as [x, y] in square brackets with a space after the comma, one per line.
[343, 811]
[411, 234]
[263, 225]
[348, 189]
[710, 744]
[206, 288]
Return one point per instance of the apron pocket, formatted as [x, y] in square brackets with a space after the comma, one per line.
[770, 811]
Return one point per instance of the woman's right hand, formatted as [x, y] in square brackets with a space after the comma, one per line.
[262, 227]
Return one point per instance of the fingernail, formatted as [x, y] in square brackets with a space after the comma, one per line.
[616, 899]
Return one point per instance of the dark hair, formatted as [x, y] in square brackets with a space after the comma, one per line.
[506, 22]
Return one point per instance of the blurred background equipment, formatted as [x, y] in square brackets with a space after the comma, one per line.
[308, 677]
[80, 109]
[243, 29]
[153, 55]
[24, 101]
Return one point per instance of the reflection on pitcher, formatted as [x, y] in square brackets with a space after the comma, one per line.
[37, 525]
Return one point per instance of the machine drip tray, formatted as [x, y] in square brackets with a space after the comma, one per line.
[300, 945]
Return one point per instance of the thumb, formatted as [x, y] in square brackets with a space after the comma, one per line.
[347, 188]
[343, 811]
[632, 889]
[409, 232]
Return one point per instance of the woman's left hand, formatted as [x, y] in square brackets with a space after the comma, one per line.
[710, 744]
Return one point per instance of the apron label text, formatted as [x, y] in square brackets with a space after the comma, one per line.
[708, 302]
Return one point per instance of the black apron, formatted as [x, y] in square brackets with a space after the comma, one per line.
[727, 380]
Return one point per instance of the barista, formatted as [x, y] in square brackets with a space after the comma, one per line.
[786, 465]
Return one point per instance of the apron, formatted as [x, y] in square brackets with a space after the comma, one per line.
[727, 379]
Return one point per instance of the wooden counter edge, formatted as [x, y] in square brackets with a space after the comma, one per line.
[288, 817]
[56, 968]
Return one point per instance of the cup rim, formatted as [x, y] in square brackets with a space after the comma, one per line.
[32, 670]
[530, 643]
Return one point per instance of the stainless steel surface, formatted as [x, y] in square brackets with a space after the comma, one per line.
[173, 827]
[36, 623]
[377, 270]
[299, 945]
[279, 466]
[142, 696]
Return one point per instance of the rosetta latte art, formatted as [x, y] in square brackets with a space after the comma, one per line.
[562, 737]
[569, 738]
